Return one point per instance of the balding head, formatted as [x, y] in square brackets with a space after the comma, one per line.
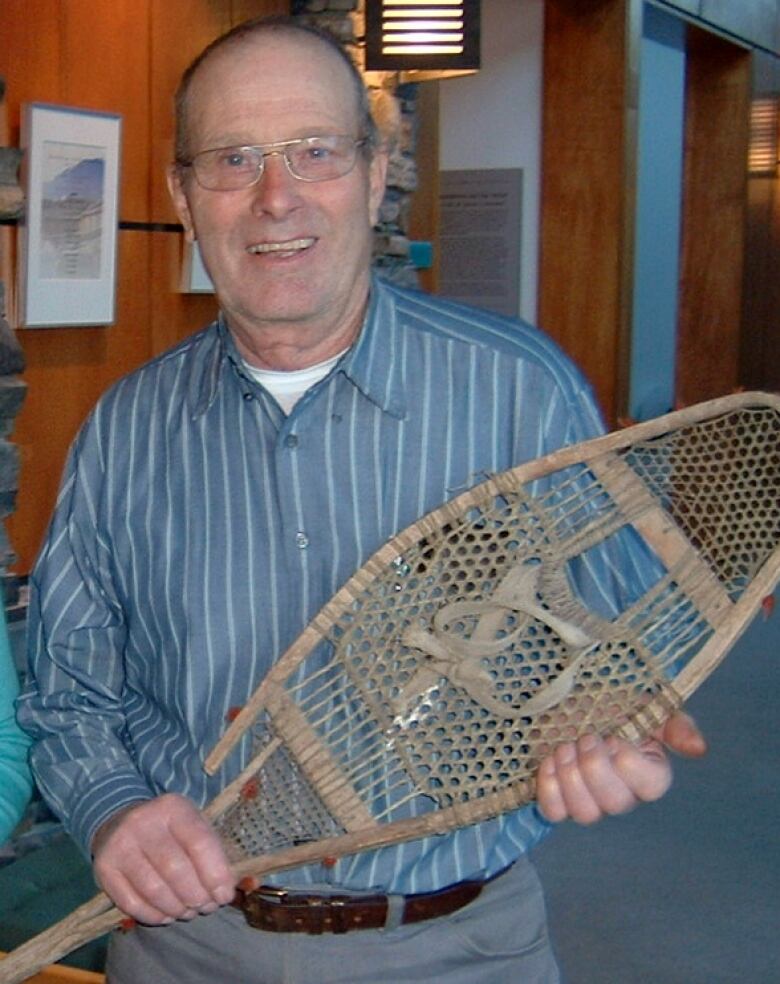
[262, 28]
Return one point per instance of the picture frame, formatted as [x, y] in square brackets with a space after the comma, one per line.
[194, 276]
[68, 233]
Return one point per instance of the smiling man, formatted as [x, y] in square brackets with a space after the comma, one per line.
[287, 236]
[218, 496]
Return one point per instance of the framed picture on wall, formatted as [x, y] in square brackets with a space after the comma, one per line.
[68, 235]
[194, 276]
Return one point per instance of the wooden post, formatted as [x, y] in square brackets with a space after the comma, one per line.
[591, 52]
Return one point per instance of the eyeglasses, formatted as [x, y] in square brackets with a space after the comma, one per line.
[307, 159]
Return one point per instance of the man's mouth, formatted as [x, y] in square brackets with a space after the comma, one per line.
[288, 248]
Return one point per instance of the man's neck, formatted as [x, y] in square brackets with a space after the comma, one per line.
[286, 348]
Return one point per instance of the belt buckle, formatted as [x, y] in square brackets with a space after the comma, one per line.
[322, 912]
[279, 895]
[325, 913]
[337, 907]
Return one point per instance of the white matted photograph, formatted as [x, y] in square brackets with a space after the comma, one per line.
[194, 276]
[68, 237]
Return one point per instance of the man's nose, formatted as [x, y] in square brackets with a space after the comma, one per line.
[277, 191]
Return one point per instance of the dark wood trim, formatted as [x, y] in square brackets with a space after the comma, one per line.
[713, 221]
[589, 121]
[424, 212]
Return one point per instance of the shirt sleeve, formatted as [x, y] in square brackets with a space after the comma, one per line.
[73, 703]
[15, 779]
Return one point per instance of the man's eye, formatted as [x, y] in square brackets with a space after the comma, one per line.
[318, 152]
[233, 159]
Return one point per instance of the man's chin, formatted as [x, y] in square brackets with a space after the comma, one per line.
[284, 312]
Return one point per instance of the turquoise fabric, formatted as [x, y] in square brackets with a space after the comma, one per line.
[15, 780]
[43, 887]
[46, 884]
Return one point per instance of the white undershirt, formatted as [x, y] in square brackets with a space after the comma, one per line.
[288, 386]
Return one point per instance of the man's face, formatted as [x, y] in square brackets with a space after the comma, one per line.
[284, 252]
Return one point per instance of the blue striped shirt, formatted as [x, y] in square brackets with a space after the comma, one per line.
[198, 529]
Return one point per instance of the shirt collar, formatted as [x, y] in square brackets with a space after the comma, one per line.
[209, 350]
[372, 364]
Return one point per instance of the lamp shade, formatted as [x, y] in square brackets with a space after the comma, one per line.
[439, 36]
[763, 150]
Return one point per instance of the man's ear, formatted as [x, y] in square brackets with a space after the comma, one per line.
[180, 202]
[377, 176]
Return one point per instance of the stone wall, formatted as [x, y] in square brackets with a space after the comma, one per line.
[394, 108]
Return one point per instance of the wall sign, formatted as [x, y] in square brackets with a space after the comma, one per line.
[479, 235]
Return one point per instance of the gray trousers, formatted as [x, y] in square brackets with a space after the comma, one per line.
[499, 938]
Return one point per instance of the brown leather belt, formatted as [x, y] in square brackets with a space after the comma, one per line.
[283, 911]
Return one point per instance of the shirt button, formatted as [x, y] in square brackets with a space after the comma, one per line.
[291, 441]
[249, 396]
[302, 540]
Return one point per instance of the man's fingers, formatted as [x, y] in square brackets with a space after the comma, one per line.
[154, 888]
[174, 875]
[645, 769]
[580, 803]
[161, 860]
[591, 778]
[207, 857]
[127, 899]
[562, 792]
[603, 778]
[548, 792]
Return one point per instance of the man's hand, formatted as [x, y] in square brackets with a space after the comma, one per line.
[160, 860]
[590, 778]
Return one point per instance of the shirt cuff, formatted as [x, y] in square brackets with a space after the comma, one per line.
[105, 798]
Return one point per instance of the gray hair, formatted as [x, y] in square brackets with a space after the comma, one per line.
[257, 27]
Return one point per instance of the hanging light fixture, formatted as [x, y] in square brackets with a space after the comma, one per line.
[422, 39]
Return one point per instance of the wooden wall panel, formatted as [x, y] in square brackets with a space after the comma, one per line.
[760, 339]
[67, 370]
[588, 180]
[30, 55]
[424, 215]
[716, 141]
[171, 50]
[759, 348]
[95, 56]
[105, 67]
[124, 56]
[174, 315]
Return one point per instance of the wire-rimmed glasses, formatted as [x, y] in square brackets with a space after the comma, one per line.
[320, 158]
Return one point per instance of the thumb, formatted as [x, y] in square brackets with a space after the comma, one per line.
[681, 734]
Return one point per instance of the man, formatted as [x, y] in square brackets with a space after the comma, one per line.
[219, 496]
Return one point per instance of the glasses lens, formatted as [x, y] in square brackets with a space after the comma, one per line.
[321, 158]
[228, 168]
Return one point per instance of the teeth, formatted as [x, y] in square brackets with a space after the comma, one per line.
[288, 247]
